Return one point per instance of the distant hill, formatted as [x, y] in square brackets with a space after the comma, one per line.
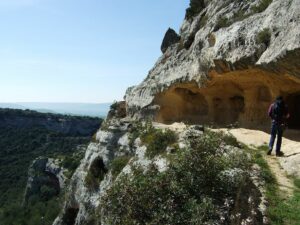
[81, 109]
[11, 106]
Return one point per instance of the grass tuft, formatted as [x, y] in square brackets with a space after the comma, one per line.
[264, 37]
[279, 211]
[262, 6]
[118, 164]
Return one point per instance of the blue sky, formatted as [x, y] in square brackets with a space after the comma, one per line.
[80, 50]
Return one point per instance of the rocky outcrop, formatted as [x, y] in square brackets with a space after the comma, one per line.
[233, 62]
[44, 172]
[171, 38]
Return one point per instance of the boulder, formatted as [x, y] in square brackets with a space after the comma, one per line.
[171, 38]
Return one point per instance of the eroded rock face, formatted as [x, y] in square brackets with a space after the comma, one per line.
[227, 74]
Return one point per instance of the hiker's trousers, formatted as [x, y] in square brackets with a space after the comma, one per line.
[276, 130]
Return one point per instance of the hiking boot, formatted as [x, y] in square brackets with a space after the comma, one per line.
[278, 154]
[269, 152]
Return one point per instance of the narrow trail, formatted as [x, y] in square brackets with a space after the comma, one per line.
[281, 167]
[285, 184]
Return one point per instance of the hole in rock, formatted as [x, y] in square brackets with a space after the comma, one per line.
[70, 216]
[95, 174]
[293, 102]
[53, 182]
[98, 168]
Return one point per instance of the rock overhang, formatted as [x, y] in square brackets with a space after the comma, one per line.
[231, 55]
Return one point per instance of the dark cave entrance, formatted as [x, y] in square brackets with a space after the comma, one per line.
[95, 174]
[70, 216]
[293, 102]
[53, 182]
[98, 168]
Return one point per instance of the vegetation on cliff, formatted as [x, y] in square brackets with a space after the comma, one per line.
[195, 7]
[19, 146]
[193, 190]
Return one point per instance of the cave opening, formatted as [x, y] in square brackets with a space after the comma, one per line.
[182, 104]
[98, 168]
[293, 103]
[69, 217]
[53, 182]
[237, 99]
[95, 174]
[222, 104]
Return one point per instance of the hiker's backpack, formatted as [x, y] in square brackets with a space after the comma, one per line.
[277, 112]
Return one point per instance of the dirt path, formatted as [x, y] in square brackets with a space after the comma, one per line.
[175, 126]
[280, 166]
[285, 184]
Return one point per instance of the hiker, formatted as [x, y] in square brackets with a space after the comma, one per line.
[278, 112]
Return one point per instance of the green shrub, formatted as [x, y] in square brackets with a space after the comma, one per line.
[196, 6]
[266, 173]
[262, 6]
[114, 106]
[229, 139]
[47, 192]
[118, 164]
[240, 15]
[71, 162]
[222, 22]
[157, 140]
[94, 138]
[191, 191]
[135, 132]
[297, 183]
[264, 37]
[203, 21]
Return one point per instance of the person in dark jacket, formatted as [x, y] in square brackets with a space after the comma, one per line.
[278, 112]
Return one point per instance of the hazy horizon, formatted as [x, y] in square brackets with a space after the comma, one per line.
[82, 109]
